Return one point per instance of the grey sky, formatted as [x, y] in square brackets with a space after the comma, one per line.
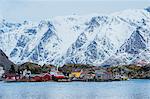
[34, 10]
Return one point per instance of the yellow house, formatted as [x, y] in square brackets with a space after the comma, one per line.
[75, 74]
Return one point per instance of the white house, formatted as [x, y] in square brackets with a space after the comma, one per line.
[27, 73]
[1, 71]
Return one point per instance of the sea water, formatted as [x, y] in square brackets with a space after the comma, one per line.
[133, 89]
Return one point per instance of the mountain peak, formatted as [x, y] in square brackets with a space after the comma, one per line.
[134, 44]
[79, 39]
[147, 9]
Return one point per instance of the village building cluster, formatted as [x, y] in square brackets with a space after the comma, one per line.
[30, 72]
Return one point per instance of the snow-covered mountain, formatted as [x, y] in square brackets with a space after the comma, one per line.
[119, 38]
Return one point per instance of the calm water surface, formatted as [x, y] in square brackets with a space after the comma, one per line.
[134, 89]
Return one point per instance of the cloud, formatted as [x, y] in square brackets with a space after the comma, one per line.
[43, 9]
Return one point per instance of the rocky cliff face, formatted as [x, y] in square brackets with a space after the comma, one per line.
[119, 38]
[4, 61]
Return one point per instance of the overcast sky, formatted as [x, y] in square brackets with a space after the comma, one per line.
[35, 10]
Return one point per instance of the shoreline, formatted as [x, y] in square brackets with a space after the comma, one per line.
[71, 81]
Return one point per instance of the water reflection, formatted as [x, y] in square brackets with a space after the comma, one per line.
[135, 89]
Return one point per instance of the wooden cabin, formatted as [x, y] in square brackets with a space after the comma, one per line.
[75, 74]
[103, 75]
